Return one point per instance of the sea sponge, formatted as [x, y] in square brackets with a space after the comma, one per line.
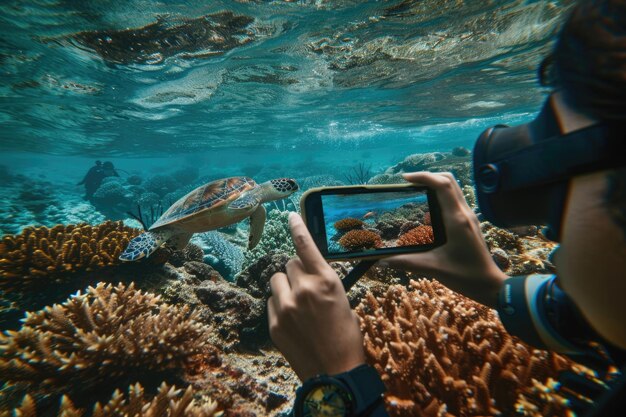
[167, 403]
[345, 225]
[49, 254]
[360, 239]
[421, 235]
[114, 334]
[440, 353]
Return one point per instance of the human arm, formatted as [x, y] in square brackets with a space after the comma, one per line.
[463, 263]
[310, 318]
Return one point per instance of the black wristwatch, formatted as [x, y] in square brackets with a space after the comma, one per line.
[358, 392]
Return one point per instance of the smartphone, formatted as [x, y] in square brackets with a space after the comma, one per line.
[372, 221]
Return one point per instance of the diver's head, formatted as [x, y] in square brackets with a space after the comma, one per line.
[567, 168]
[107, 165]
[588, 64]
[522, 173]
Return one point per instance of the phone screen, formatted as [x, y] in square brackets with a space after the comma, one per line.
[361, 222]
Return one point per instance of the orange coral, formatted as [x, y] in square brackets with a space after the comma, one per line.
[111, 334]
[167, 403]
[345, 225]
[360, 239]
[427, 220]
[53, 252]
[440, 353]
[420, 235]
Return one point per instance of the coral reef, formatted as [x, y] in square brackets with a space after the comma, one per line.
[415, 162]
[191, 253]
[345, 225]
[237, 315]
[461, 151]
[276, 238]
[420, 235]
[200, 37]
[168, 402]
[47, 255]
[386, 179]
[114, 334]
[220, 253]
[256, 278]
[519, 251]
[360, 239]
[440, 353]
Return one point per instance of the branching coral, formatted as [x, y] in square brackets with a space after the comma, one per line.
[345, 225]
[50, 253]
[421, 235]
[360, 239]
[167, 403]
[440, 353]
[117, 334]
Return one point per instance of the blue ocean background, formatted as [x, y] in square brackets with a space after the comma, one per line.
[312, 88]
[177, 94]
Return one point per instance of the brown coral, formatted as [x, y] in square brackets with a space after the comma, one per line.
[54, 252]
[440, 353]
[116, 334]
[167, 403]
[360, 239]
[421, 235]
[345, 225]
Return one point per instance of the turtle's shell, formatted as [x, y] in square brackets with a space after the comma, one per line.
[206, 197]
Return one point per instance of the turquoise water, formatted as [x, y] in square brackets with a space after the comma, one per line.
[311, 87]
[177, 94]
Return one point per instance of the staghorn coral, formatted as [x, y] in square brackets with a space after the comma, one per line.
[168, 402]
[440, 353]
[117, 334]
[345, 225]
[420, 235]
[50, 253]
[360, 239]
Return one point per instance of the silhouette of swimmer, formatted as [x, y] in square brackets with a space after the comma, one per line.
[95, 175]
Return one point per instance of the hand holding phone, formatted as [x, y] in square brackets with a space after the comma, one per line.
[463, 263]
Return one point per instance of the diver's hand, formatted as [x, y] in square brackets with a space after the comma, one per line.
[463, 263]
[309, 316]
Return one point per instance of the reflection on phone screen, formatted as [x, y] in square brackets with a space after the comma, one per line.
[371, 221]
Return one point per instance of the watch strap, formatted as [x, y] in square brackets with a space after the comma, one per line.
[367, 388]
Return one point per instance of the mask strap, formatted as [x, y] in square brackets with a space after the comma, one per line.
[592, 149]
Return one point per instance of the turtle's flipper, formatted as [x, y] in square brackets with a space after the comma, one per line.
[179, 241]
[246, 201]
[142, 246]
[257, 222]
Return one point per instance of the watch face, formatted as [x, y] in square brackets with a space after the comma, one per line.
[326, 400]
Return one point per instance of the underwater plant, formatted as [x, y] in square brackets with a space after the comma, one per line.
[360, 239]
[440, 353]
[359, 174]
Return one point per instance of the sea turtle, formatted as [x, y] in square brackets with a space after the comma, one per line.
[208, 207]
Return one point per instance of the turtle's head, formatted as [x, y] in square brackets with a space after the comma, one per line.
[280, 188]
